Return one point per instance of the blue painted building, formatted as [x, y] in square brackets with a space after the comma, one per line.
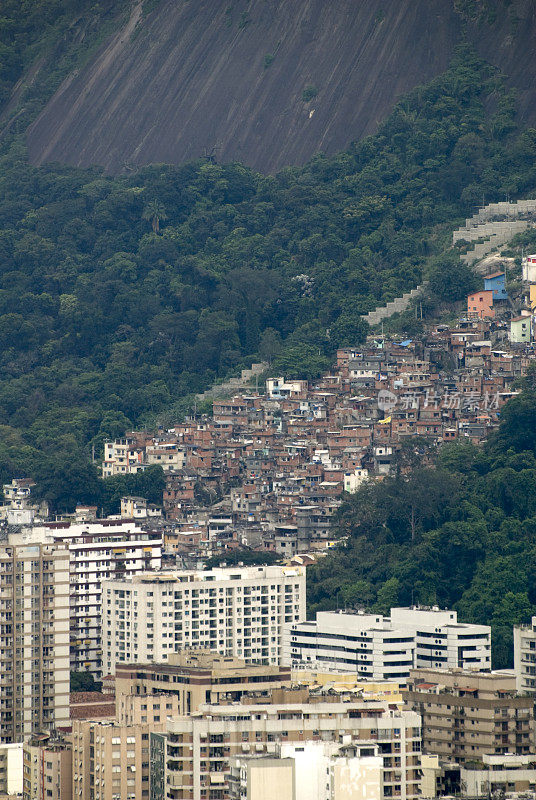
[496, 282]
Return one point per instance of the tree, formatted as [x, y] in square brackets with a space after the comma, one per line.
[518, 424]
[451, 279]
[387, 596]
[348, 330]
[84, 682]
[154, 212]
[270, 345]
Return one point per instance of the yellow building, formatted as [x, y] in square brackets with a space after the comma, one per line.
[349, 682]
[532, 296]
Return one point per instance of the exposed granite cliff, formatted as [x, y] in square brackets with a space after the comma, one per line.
[198, 77]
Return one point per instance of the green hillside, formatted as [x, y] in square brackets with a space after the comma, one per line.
[119, 297]
[461, 535]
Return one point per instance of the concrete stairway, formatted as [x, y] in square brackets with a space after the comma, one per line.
[495, 224]
[494, 210]
[490, 225]
[234, 384]
[395, 306]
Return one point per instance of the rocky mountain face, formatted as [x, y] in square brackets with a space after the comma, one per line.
[267, 82]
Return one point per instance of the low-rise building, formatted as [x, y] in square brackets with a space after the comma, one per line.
[521, 330]
[496, 281]
[528, 268]
[138, 508]
[480, 304]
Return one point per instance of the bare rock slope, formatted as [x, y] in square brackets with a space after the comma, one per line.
[266, 82]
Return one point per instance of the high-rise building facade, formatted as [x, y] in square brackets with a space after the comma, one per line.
[34, 639]
[11, 769]
[467, 714]
[111, 760]
[441, 641]
[306, 770]
[363, 644]
[48, 769]
[98, 550]
[201, 676]
[234, 611]
[200, 749]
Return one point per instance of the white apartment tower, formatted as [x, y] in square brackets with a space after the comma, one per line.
[237, 612]
[98, 550]
[525, 657]
[386, 648]
[34, 639]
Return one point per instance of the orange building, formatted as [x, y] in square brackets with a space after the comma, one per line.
[480, 304]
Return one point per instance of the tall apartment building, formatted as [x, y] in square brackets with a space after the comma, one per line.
[201, 676]
[199, 749]
[525, 657]
[386, 648]
[111, 760]
[98, 550]
[467, 714]
[34, 639]
[235, 611]
[48, 768]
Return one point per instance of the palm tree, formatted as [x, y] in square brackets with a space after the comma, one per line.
[154, 212]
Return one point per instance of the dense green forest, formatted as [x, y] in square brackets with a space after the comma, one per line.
[120, 297]
[460, 534]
